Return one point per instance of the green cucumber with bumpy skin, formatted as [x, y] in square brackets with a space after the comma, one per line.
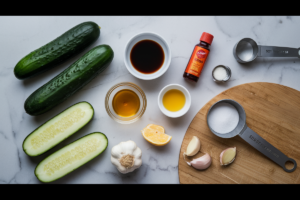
[69, 81]
[58, 128]
[71, 157]
[68, 44]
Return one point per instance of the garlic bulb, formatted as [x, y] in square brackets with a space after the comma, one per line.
[228, 156]
[126, 156]
[193, 147]
[201, 163]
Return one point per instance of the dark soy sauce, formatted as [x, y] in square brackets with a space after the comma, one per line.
[147, 56]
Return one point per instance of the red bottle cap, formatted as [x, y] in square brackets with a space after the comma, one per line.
[206, 37]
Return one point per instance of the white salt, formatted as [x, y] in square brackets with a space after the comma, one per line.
[223, 118]
[220, 73]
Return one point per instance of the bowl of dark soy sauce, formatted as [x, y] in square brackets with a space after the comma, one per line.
[147, 56]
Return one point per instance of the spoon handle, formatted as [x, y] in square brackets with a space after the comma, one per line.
[272, 51]
[267, 149]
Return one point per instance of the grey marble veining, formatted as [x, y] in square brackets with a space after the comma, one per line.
[20, 35]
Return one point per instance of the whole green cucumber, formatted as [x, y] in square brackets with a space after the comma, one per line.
[69, 81]
[58, 50]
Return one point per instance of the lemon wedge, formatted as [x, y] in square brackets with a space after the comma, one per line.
[155, 134]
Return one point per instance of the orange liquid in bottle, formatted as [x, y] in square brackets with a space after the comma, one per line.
[198, 58]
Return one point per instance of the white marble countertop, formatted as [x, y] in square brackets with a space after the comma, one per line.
[20, 35]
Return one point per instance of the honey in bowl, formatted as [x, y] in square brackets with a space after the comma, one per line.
[173, 100]
[126, 103]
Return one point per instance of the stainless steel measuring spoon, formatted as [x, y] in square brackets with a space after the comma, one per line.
[252, 138]
[246, 50]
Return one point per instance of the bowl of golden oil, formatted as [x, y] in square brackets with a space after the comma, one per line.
[125, 102]
[174, 100]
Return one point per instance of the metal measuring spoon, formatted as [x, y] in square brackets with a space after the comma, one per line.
[246, 50]
[252, 138]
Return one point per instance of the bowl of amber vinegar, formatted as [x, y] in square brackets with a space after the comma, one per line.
[147, 56]
[125, 102]
[174, 100]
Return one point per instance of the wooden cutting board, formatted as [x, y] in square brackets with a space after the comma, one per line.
[273, 112]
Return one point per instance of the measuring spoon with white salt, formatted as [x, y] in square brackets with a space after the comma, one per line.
[227, 118]
[223, 118]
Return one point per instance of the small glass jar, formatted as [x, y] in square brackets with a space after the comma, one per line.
[125, 86]
[223, 79]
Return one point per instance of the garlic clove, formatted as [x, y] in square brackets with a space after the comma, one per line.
[137, 154]
[114, 160]
[117, 151]
[193, 147]
[228, 156]
[138, 163]
[202, 162]
[128, 147]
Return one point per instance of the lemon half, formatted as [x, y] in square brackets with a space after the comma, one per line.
[155, 134]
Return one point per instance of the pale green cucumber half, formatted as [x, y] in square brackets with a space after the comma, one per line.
[58, 128]
[71, 157]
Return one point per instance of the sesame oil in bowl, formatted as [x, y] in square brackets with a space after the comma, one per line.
[126, 103]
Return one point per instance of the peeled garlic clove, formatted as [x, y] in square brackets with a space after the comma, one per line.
[227, 156]
[193, 147]
[202, 162]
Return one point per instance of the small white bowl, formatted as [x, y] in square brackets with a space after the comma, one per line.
[147, 36]
[186, 106]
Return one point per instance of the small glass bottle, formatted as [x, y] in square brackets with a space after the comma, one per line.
[198, 57]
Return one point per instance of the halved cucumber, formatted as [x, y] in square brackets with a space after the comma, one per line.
[71, 157]
[58, 128]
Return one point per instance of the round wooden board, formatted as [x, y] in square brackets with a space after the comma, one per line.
[273, 112]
